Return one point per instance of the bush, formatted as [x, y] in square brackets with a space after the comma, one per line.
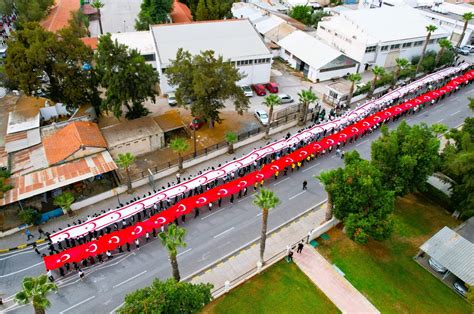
[30, 216]
[386, 78]
[363, 89]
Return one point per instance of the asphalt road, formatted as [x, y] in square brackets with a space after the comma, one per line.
[211, 236]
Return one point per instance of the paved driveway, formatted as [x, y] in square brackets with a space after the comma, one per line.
[118, 16]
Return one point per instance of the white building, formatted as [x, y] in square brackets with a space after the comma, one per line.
[317, 61]
[141, 41]
[235, 40]
[379, 36]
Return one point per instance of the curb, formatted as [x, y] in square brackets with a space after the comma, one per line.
[22, 246]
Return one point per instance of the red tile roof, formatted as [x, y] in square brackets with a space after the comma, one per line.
[181, 13]
[91, 42]
[60, 14]
[70, 139]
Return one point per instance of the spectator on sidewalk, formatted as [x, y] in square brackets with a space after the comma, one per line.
[300, 247]
[28, 234]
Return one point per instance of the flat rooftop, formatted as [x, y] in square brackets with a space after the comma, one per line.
[141, 41]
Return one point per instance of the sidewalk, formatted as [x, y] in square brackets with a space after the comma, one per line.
[334, 285]
[18, 239]
[239, 267]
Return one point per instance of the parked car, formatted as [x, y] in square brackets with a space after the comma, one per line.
[259, 89]
[462, 51]
[172, 99]
[196, 123]
[272, 87]
[247, 90]
[285, 99]
[437, 266]
[460, 287]
[469, 47]
[262, 116]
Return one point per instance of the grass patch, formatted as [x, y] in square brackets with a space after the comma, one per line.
[282, 288]
[386, 273]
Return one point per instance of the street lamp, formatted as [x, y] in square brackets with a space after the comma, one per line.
[195, 141]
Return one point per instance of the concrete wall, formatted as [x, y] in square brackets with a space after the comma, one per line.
[139, 146]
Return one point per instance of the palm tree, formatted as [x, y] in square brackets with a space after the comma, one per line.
[444, 44]
[179, 146]
[65, 200]
[124, 161]
[266, 200]
[466, 17]
[306, 97]
[97, 4]
[35, 289]
[231, 138]
[402, 64]
[429, 29]
[354, 78]
[171, 239]
[377, 71]
[270, 101]
[326, 178]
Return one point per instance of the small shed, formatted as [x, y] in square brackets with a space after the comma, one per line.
[138, 136]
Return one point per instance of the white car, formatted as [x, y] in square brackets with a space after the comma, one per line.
[262, 116]
[285, 99]
[172, 99]
[437, 266]
[468, 47]
[247, 90]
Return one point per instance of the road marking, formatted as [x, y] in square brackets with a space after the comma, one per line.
[216, 236]
[275, 184]
[311, 167]
[76, 305]
[259, 214]
[131, 278]
[455, 113]
[113, 311]
[25, 251]
[212, 213]
[297, 195]
[441, 120]
[21, 270]
[244, 198]
[184, 252]
[13, 307]
[362, 142]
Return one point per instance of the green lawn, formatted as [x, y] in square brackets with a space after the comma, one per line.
[385, 271]
[282, 288]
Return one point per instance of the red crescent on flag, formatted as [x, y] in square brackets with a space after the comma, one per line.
[275, 167]
[201, 200]
[330, 141]
[242, 183]
[387, 113]
[398, 109]
[259, 176]
[377, 118]
[139, 228]
[222, 192]
[161, 220]
[181, 208]
[114, 237]
[90, 226]
[289, 159]
[355, 130]
[342, 135]
[365, 123]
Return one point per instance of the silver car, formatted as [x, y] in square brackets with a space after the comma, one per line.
[262, 116]
[460, 287]
[172, 99]
[285, 99]
[247, 90]
[437, 266]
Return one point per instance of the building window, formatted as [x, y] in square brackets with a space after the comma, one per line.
[384, 48]
[150, 57]
[322, 27]
[287, 53]
[432, 41]
[370, 49]
[406, 45]
[332, 94]
[418, 43]
[396, 46]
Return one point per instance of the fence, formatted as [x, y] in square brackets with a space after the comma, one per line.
[204, 152]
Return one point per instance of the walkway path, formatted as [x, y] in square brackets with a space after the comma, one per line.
[340, 291]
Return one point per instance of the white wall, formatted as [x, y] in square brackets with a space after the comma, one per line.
[139, 146]
[324, 76]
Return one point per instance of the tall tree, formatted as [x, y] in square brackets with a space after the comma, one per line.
[65, 200]
[301, 13]
[203, 82]
[168, 296]
[270, 101]
[444, 44]
[79, 24]
[212, 10]
[127, 79]
[202, 13]
[36, 290]
[354, 78]
[467, 17]
[401, 64]
[378, 71]
[98, 5]
[231, 138]
[330, 183]
[32, 52]
[360, 199]
[124, 161]
[171, 239]
[179, 146]
[153, 12]
[265, 200]
[430, 29]
[306, 97]
[406, 156]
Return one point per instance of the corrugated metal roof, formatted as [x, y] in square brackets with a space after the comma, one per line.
[453, 252]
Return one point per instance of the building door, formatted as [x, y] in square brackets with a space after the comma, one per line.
[391, 58]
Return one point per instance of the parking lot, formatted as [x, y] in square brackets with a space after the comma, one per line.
[118, 16]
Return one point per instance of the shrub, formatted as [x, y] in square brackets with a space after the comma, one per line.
[30, 216]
